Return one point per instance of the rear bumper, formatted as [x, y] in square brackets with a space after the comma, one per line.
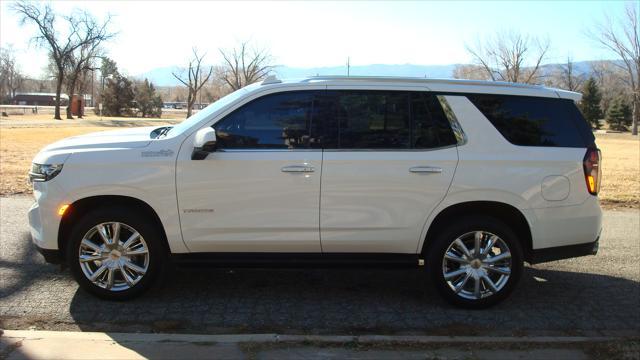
[564, 226]
[564, 252]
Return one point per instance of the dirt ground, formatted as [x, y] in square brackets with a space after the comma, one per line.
[22, 137]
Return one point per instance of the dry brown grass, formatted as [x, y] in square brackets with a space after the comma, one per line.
[620, 170]
[18, 146]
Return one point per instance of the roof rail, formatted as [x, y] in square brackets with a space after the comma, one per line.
[419, 80]
[271, 79]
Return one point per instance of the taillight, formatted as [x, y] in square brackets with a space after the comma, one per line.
[592, 173]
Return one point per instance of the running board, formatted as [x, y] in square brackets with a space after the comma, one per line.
[294, 260]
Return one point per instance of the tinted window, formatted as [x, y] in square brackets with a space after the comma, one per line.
[373, 120]
[382, 120]
[532, 121]
[431, 128]
[277, 121]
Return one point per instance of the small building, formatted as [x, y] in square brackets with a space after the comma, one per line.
[39, 99]
[77, 105]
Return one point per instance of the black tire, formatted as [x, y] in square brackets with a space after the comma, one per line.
[436, 251]
[136, 220]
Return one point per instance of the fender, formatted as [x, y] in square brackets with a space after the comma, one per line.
[467, 196]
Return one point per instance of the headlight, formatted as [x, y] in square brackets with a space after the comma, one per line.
[44, 172]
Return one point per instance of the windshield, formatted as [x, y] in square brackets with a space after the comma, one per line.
[209, 110]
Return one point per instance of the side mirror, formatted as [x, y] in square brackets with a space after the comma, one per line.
[204, 143]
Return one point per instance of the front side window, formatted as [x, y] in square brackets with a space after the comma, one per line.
[275, 121]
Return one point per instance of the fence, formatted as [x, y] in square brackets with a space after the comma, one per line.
[49, 110]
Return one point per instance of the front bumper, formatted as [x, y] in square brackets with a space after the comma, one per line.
[44, 221]
[52, 256]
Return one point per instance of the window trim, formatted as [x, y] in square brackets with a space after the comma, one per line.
[456, 128]
[391, 149]
[265, 150]
[440, 96]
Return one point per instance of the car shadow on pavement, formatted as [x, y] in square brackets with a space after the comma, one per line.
[360, 301]
[20, 268]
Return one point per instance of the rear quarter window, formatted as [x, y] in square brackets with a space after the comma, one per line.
[534, 121]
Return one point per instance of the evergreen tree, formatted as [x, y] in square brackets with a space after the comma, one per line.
[118, 96]
[149, 103]
[108, 67]
[619, 115]
[590, 104]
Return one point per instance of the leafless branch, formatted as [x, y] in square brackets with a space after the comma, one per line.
[244, 65]
[506, 57]
[195, 78]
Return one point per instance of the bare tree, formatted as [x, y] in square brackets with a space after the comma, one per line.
[623, 38]
[195, 79]
[470, 72]
[83, 58]
[611, 80]
[11, 79]
[81, 31]
[510, 57]
[79, 63]
[570, 79]
[564, 76]
[244, 65]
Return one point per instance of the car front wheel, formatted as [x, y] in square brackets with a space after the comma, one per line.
[113, 255]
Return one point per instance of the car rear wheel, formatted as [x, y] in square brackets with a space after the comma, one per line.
[115, 254]
[476, 262]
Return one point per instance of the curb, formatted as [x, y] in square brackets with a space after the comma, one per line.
[279, 338]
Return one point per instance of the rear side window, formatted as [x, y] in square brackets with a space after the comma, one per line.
[373, 120]
[278, 121]
[534, 121]
[359, 119]
[431, 127]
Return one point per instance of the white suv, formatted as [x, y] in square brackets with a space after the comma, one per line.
[466, 178]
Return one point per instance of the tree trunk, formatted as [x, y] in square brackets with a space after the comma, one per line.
[56, 115]
[69, 92]
[189, 103]
[636, 114]
[81, 107]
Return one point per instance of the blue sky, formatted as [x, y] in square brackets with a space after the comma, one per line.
[323, 33]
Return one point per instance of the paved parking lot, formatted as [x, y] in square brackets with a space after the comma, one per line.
[586, 296]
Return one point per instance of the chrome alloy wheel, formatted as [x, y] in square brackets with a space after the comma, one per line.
[113, 256]
[477, 265]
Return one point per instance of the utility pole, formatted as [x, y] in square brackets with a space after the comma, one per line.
[348, 65]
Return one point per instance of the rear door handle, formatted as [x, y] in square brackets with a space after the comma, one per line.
[298, 168]
[426, 169]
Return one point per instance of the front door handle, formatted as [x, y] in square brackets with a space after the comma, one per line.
[298, 168]
[426, 169]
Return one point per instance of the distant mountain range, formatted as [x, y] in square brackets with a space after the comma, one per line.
[163, 77]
